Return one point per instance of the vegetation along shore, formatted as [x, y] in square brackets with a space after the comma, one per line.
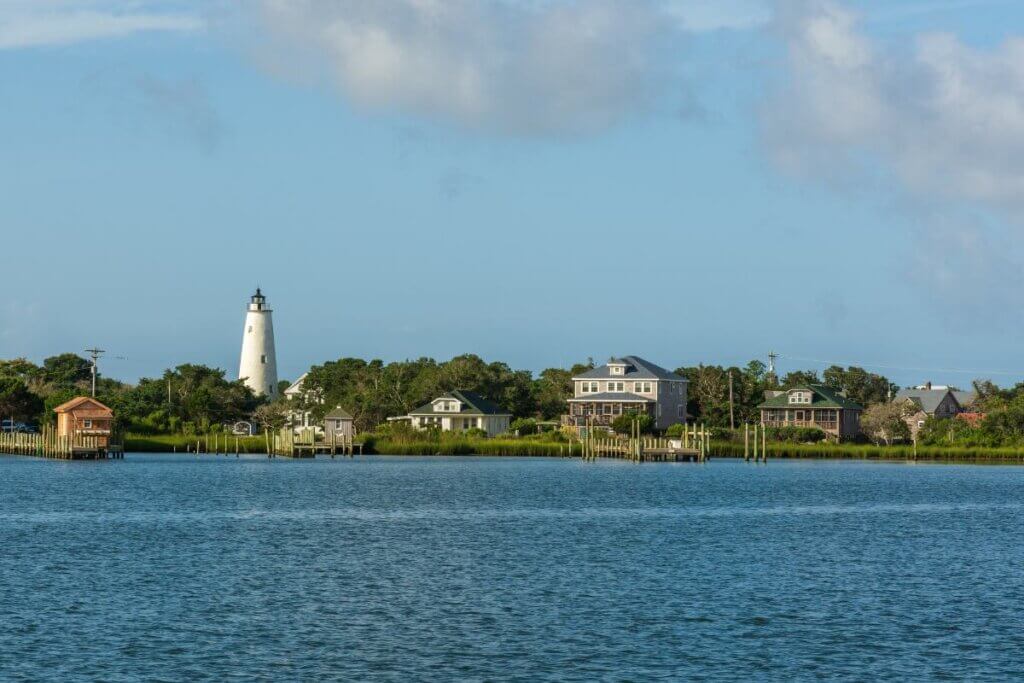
[194, 404]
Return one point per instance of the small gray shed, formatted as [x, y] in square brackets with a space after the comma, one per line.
[338, 422]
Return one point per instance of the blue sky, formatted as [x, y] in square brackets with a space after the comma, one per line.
[535, 182]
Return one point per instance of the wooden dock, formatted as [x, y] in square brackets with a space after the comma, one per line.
[49, 445]
[691, 446]
[306, 444]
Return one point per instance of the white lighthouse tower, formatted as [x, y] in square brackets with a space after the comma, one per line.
[258, 366]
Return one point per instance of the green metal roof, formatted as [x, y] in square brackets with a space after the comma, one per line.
[338, 413]
[821, 397]
[472, 404]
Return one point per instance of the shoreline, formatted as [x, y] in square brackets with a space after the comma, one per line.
[255, 445]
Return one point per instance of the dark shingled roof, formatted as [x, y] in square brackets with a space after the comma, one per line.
[636, 368]
[821, 397]
[929, 399]
[472, 404]
[338, 413]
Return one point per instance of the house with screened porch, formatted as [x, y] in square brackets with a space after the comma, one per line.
[813, 405]
[627, 385]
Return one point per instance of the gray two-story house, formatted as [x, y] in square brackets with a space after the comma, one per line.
[624, 385]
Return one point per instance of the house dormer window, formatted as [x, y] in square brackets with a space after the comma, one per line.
[617, 369]
[800, 398]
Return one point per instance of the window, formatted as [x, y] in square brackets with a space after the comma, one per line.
[616, 386]
[250, 329]
[263, 359]
[681, 412]
[87, 424]
[641, 387]
[616, 370]
[607, 408]
[800, 398]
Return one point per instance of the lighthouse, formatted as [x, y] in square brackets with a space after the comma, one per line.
[258, 366]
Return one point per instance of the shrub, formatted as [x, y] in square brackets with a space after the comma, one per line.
[675, 430]
[524, 426]
[796, 434]
[623, 424]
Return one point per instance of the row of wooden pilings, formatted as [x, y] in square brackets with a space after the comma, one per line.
[693, 444]
[285, 444]
[759, 442]
[306, 445]
[48, 444]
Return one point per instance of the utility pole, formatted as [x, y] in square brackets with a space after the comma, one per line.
[95, 355]
[732, 411]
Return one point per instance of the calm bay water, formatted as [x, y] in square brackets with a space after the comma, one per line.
[177, 568]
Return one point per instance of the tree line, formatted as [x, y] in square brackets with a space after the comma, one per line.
[197, 398]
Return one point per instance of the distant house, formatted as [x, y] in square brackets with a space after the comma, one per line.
[624, 385]
[301, 420]
[932, 401]
[85, 417]
[813, 405]
[338, 423]
[459, 411]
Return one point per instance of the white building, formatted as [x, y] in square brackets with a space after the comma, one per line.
[297, 395]
[459, 411]
[258, 365]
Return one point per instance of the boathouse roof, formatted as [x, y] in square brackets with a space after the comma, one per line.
[338, 413]
[85, 404]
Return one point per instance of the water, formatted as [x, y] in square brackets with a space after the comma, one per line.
[175, 568]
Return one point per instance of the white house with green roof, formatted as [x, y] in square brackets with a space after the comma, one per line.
[627, 385]
[458, 411]
[813, 405]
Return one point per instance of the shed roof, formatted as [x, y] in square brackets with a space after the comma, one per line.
[338, 413]
[84, 403]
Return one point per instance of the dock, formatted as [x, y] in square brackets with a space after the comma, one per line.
[49, 445]
[691, 446]
[308, 444]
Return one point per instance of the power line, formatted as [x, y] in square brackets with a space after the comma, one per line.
[880, 366]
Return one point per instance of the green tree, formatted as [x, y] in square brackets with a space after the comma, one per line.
[16, 401]
[885, 423]
[66, 370]
[860, 385]
[625, 423]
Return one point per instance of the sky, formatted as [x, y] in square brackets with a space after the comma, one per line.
[533, 181]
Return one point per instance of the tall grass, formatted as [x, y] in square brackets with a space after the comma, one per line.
[725, 449]
[167, 443]
[477, 446]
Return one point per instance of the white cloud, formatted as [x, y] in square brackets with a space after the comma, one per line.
[524, 68]
[944, 120]
[36, 23]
